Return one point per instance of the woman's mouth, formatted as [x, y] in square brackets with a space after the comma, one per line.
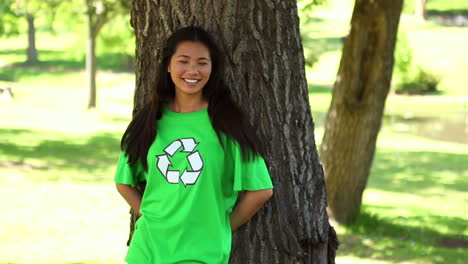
[192, 81]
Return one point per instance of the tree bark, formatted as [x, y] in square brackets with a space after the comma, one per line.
[265, 69]
[356, 110]
[91, 62]
[32, 51]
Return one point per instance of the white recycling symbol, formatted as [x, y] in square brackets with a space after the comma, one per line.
[194, 159]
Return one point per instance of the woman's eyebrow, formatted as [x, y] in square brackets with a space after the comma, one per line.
[188, 57]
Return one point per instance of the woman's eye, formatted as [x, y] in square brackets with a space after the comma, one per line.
[203, 63]
[183, 62]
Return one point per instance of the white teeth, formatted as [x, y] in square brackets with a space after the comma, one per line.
[190, 81]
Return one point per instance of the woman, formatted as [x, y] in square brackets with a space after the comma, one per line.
[194, 148]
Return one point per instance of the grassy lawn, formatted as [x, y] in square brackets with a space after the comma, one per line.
[413, 205]
[56, 167]
[57, 159]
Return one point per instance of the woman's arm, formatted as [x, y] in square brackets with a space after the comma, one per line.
[248, 206]
[131, 195]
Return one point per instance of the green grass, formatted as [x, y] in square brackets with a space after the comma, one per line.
[56, 164]
[414, 201]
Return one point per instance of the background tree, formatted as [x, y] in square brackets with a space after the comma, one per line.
[98, 13]
[30, 9]
[8, 18]
[358, 100]
[265, 69]
[421, 11]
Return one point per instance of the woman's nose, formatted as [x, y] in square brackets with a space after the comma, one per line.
[192, 69]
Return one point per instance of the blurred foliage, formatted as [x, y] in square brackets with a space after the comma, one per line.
[424, 81]
[439, 7]
[8, 19]
[117, 39]
[36, 8]
[403, 57]
[313, 48]
[100, 12]
[411, 77]
[307, 6]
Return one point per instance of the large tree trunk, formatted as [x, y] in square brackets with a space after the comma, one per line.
[91, 62]
[32, 51]
[265, 69]
[356, 110]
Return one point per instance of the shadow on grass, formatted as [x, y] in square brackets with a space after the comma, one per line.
[417, 171]
[57, 53]
[322, 44]
[319, 89]
[448, 12]
[62, 156]
[385, 239]
[18, 71]
[313, 20]
[449, 17]
[116, 62]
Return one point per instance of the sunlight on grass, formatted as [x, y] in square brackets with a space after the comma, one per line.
[61, 223]
[415, 197]
[57, 161]
[324, 72]
[36, 101]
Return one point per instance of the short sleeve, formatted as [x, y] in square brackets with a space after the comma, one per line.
[126, 174]
[250, 175]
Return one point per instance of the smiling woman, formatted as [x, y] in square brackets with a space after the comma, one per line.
[190, 70]
[195, 150]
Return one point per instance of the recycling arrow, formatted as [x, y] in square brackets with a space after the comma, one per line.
[188, 177]
[163, 164]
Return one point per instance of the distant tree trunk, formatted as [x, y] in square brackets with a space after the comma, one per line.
[91, 63]
[265, 69]
[98, 13]
[356, 110]
[421, 11]
[32, 51]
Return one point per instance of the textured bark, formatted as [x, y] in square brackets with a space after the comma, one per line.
[32, 51]
[265, 69]
[356, 110]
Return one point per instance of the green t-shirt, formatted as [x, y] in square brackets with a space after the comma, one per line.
[192, 186]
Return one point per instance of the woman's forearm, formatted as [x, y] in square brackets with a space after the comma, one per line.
[248, 206]
[131, 195]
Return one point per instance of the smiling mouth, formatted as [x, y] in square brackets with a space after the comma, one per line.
[191, 80]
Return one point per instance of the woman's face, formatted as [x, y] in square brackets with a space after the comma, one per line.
[190, 68]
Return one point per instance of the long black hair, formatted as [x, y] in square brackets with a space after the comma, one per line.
[225, 115]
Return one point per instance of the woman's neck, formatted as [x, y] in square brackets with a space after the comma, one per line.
[187, 104]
